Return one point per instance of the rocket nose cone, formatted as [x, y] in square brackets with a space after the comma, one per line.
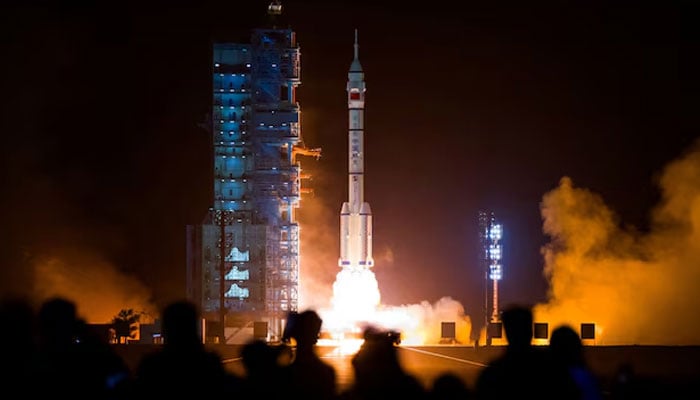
[355, 66]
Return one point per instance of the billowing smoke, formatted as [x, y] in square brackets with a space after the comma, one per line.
[98, 288]
[319, 254]
[422, 323]
[637, 288]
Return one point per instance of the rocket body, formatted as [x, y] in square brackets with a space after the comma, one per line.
[355, 214]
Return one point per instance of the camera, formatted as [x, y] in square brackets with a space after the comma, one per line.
[388, 336]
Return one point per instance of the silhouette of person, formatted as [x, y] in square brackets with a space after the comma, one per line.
[18, 353]
[625, 384]
[567, 352]
[182, 365]
[309, 376]
[449, 386]
[522, 371]
[263, 370]
[71, 360]
[378, 371]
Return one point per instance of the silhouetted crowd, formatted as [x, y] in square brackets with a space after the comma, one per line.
[51, 352]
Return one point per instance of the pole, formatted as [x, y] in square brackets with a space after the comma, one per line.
[495, 301]
[222, 276]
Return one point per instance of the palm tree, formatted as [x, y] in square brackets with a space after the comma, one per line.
[125, 324]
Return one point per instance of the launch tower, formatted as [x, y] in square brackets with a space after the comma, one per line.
[243, 260]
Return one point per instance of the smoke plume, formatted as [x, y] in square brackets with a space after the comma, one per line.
[422, 323]
[637, 288]
[319, 255]
[98, 288]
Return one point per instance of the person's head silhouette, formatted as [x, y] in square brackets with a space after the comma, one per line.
[566, 345]
[180, 320]
[517, 325]
[58, 321]
[308, 328]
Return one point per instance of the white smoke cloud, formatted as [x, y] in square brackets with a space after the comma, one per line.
[422, 323]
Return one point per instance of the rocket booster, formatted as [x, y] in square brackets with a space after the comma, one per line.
[356, 215]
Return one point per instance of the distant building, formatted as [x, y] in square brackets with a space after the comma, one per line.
[243, 260]
[103, 332]
[150, 333]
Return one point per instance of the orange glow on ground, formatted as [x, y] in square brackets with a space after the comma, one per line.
[343, 346]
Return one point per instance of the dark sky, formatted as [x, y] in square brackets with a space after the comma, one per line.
[470, 105]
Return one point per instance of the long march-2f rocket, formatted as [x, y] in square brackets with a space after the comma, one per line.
[355, 214]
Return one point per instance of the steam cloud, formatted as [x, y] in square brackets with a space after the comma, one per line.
[422, 323]
[638, 288]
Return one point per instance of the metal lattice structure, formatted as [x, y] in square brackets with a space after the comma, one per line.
[243, 260]
[490, 236]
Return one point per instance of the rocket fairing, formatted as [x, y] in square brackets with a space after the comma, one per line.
[356, 215]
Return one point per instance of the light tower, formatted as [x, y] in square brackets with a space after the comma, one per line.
[490, 235]
[495, 233]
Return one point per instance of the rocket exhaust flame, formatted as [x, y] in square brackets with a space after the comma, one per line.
[356, 295]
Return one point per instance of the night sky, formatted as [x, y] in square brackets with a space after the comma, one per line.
[470, 105]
